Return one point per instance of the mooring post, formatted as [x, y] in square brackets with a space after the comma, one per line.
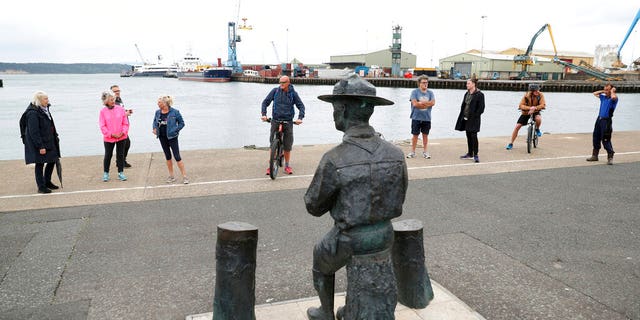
[234, 296]
[414, 286]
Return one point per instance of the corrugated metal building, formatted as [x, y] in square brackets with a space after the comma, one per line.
[499, 66]
[574, 57]
[380, 58]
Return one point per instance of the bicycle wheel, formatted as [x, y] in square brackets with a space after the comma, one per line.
[530, 133]
[274, 159]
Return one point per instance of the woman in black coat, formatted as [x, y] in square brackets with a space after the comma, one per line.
[469, 118]
[41, 144]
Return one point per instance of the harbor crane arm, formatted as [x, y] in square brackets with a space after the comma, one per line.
[618, 63]
[525, 59]
[140, 54]
[275, 51]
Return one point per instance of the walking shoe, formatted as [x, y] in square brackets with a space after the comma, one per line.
[121, 176]
[268, 171]
[51, 186]
[44, 190]
[509, 146]
[288, 170]
[476, 159]
[185, 180]
[466, 157]
[127, 164]
[426, 155]
[170, 179]
[538, 133]
[411, 155]
[105, 176]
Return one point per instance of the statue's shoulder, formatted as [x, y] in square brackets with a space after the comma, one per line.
[391, 149]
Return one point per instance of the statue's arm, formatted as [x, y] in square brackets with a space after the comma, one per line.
[320, 196]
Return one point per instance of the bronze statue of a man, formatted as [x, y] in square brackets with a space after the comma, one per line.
[362, 182]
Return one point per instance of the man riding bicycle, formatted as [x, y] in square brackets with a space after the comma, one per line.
[284, 97]
[531, 104]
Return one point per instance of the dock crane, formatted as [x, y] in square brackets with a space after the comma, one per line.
[233, 39]
[525, 59]
[232, 57]
[618, 63]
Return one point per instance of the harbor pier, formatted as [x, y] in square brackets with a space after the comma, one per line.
[494, 85]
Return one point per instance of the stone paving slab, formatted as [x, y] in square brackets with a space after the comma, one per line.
[444, 306]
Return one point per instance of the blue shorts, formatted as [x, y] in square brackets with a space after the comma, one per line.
[418, 126]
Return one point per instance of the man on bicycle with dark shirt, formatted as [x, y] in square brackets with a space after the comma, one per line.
[531, 104]
[284, 97]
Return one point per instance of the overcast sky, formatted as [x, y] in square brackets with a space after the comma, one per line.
[68, 31]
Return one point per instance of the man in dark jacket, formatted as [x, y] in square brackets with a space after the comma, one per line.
[471, 109]
[284, 97]
[362, 183]
[127, 142]
[41, 144]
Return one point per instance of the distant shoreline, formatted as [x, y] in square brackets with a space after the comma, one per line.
[62, 68]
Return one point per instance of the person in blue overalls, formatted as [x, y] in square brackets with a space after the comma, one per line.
[602, 130]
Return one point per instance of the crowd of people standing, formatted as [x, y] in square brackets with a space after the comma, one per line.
[42, 147]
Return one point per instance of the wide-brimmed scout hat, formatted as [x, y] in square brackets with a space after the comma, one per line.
[355, 87]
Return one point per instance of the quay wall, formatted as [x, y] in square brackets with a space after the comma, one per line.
[498, 85]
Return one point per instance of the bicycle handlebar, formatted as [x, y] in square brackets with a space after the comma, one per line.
[268, 120]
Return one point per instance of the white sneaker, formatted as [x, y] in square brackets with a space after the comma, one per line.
[185, 180]
[411, 155]
[171, 179]
[426, 155]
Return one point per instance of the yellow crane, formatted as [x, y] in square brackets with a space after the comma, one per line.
[525, 59]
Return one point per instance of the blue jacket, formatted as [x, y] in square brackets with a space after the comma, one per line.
[283, 103]
[174, 123]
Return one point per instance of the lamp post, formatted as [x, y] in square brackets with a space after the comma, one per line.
[482, 38]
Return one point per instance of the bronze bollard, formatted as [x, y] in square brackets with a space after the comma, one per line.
[414, 286]
[235, 296]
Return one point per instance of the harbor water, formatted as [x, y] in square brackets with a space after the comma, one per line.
[227, 115]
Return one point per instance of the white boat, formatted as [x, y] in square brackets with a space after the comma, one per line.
[190, 63]
[154, 70]
[159, 69]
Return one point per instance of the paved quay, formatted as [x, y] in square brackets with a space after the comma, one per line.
[230, 171]
[516, 236]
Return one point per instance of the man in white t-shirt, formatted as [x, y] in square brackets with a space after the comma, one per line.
[422, 100]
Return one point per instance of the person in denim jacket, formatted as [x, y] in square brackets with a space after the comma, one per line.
[167, 124]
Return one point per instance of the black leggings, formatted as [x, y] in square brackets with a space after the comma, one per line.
[108, 153]
[472, 143]
[169, 145]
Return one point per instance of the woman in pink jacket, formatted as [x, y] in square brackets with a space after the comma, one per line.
[114, 127]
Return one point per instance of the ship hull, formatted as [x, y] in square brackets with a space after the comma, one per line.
[209, 75]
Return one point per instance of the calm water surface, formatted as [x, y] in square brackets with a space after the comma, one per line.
[227, 115]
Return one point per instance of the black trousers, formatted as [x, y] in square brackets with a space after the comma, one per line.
[127, 145]
[108, 153]
[472, 143]
[43, 173]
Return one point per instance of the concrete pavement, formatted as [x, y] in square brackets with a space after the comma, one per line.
[100, 262]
